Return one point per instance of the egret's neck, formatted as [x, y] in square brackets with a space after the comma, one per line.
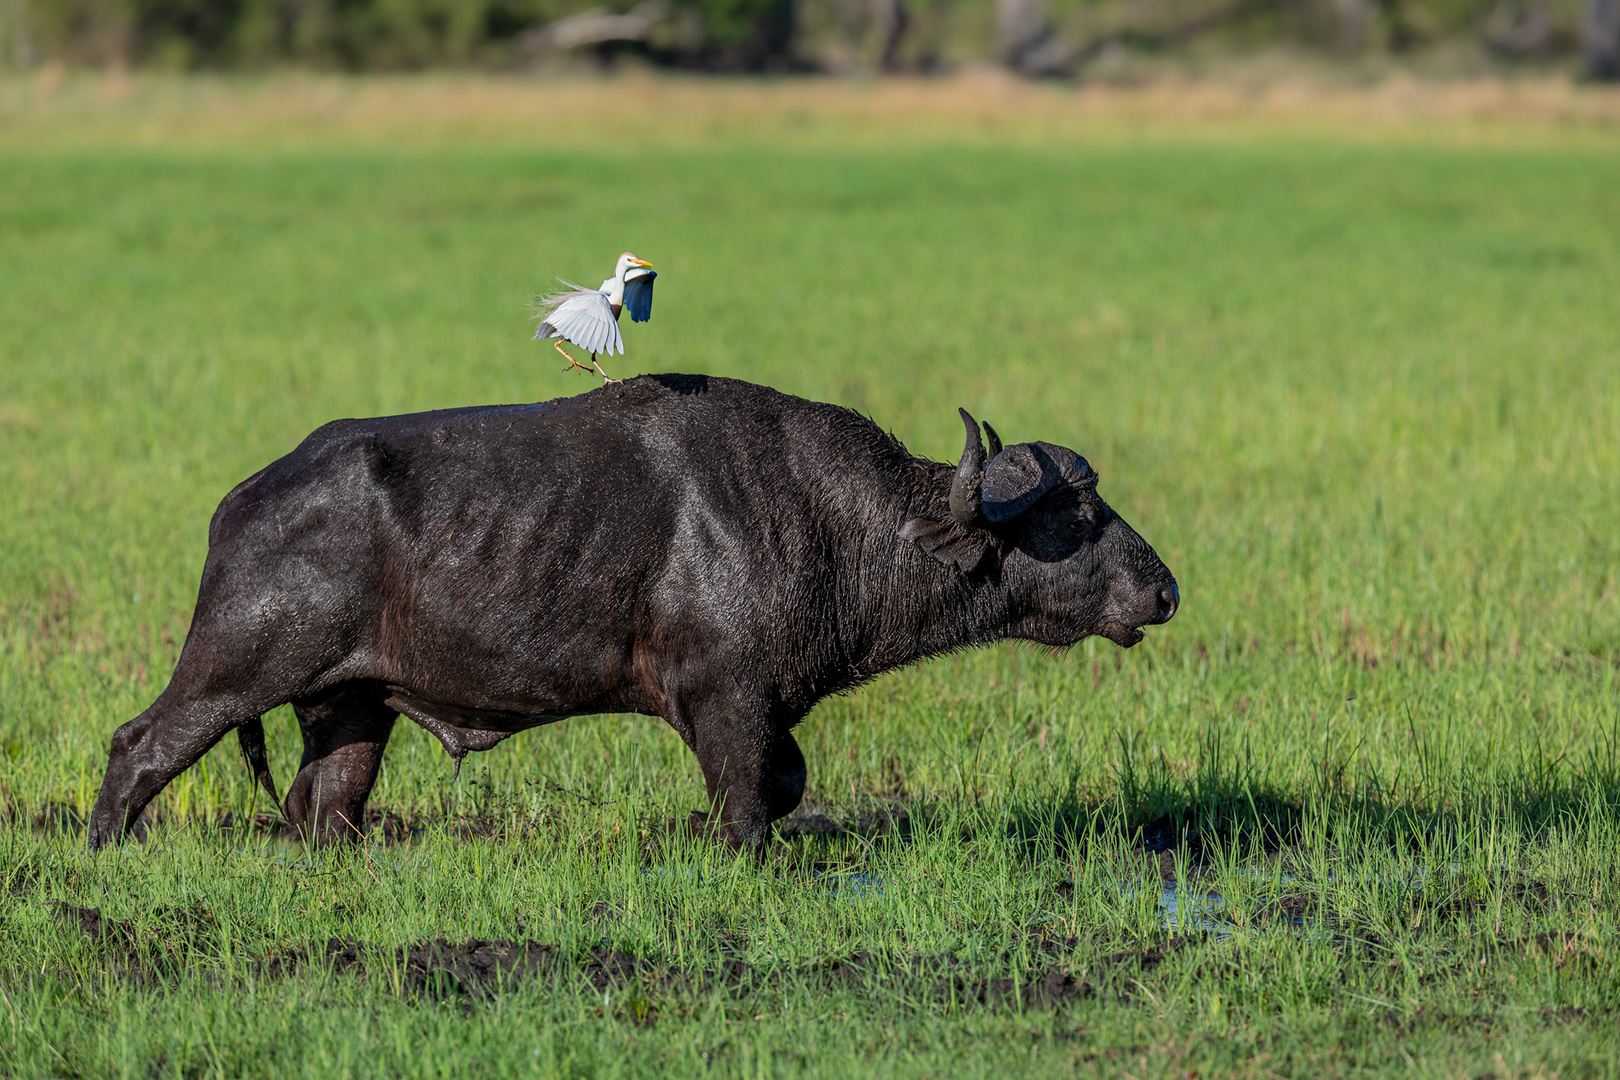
[614, 287]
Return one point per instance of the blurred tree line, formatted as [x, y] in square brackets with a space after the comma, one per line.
[1038, 38]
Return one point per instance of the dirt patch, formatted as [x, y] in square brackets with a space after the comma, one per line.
[436, 968]
[443, 969]
[945, 978]
[1047, 990]
[1483, 1022]
[1573, 1014]
[1154, 955]
[884, 815]
[1565, 948]
[161, 948]
[476, 968]
[164, 947]
[58, 817]
[93, 924]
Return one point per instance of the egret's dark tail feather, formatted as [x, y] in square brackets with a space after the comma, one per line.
[251, 738]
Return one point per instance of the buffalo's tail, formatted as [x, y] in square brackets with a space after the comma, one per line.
[251, 737]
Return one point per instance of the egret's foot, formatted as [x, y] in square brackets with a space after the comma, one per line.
[605, 377]
[572, 363]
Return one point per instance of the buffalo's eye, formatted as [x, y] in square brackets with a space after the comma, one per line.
[1082, 518]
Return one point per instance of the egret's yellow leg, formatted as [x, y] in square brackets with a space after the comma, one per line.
[602, 373]
[572, 363]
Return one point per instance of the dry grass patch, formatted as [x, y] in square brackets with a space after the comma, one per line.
[53, 109]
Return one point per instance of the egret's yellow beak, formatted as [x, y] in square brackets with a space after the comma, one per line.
[642, 262]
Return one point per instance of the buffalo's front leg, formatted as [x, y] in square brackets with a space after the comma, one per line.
[344, 737]
[753, 769]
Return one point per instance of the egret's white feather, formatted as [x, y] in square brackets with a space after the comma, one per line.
[581, 316]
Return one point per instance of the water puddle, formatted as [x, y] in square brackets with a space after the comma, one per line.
[1276, 900]
[1187, 909]
[854, 886]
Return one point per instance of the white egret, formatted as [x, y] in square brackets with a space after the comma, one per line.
[589, 318]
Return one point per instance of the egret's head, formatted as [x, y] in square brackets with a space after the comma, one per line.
[628, 263]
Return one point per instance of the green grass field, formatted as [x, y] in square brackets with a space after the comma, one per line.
[1355, 811]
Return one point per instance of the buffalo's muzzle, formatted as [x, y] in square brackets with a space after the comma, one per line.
[1169, 600]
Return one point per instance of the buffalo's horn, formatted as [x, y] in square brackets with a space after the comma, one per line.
[992, 438]
[965, 495]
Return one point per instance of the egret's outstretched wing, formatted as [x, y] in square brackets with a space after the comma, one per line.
[585, 318]
[638, 296]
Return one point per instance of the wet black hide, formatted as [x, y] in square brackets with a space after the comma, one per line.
[704, 550]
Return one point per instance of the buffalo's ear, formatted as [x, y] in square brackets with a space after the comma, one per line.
[1020, 475]
[946, 542]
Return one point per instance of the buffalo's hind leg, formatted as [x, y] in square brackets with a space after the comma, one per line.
[345, 732]
[157, 746]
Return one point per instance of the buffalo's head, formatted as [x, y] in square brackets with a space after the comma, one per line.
[1072, 566]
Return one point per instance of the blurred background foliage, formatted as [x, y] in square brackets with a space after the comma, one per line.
[1038, 38]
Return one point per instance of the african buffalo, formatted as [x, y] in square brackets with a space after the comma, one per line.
[705, 550]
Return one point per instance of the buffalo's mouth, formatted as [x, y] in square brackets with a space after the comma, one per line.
[1123, 625]
[1121, 635]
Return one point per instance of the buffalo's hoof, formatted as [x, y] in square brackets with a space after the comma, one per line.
[704, 828]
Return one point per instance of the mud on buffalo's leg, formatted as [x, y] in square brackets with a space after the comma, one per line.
[157, 746]
[344, 736]
[753, 768]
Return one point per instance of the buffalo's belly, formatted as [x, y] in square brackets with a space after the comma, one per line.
[461, 729]
[509, 709]
[464, 727]
[424, 706]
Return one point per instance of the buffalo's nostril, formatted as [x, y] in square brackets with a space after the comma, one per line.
[1169, 598]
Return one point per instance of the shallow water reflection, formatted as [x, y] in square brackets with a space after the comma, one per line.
[854, 886]
[1192, 911]
[1188, 909]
